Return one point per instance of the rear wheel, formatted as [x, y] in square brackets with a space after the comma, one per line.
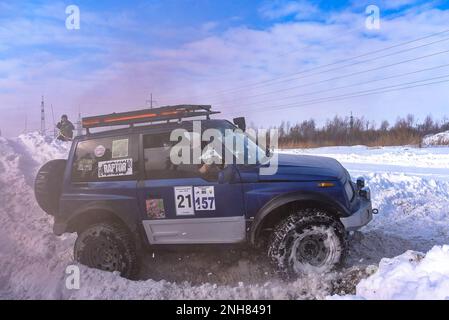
[109, 247]
[306, 242]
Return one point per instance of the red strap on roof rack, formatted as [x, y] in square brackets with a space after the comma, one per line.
[178, 112]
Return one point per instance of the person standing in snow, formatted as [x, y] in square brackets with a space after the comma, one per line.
[65, 129]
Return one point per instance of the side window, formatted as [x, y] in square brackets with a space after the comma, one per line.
[156, 152]
[106, 159]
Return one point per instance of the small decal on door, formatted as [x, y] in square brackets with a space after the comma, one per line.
[184, 201]
[99, 151]
[155, 208]
[120, 148]
[204, 198]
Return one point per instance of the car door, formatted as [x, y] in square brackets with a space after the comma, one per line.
[104, 175]
[181, 205]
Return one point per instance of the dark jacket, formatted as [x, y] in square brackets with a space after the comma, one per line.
[66, 129]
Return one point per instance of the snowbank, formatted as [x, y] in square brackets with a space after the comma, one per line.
[410, 187]
[438, 139]
[411, 275]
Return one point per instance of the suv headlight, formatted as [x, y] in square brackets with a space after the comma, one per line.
[349, 190]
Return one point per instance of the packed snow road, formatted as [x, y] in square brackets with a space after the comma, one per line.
[410, 188]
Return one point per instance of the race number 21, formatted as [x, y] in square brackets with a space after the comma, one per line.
[184, 201]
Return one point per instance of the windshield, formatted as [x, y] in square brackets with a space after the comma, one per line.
[226, 144]
[246, 149]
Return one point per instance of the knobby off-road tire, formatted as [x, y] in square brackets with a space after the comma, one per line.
[48, 185]
[109, 247]
[309, 241]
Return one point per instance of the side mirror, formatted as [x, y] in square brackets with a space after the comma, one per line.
[240, 122]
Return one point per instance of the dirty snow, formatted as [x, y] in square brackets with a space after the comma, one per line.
[410, 188]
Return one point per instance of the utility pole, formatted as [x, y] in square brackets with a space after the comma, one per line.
[351, 122]
[351, 128]
[53, 118]
[151, 101]
[79, 128]
[42, 117]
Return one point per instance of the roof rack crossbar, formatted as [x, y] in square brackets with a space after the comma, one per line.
[167, 113]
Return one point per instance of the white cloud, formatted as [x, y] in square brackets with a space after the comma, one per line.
[199, 69]
[300, 9]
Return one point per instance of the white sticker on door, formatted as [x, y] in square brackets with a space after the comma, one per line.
[204, 198]
[119, 148]
[184, 201]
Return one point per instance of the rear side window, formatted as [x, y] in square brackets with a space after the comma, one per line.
[156, 152]
[106, 159]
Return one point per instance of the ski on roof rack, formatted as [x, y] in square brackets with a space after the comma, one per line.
[167, 113]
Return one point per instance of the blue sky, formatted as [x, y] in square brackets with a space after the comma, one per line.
[205, 51]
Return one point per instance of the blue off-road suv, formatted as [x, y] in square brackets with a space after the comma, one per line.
[122, 193]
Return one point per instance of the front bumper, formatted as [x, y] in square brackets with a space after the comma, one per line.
[359, 218]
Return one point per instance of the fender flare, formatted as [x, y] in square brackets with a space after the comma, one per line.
[284, 199]
[128, 220]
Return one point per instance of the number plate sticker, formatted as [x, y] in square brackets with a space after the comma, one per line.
[184, 201]
[204, 198]
[115, 168]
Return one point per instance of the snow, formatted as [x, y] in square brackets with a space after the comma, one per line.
[441, 138]
[411, 275]
[410, 187]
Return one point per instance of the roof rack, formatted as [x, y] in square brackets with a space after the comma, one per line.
[167, 113]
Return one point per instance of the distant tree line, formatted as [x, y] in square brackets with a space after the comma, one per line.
[358, 131]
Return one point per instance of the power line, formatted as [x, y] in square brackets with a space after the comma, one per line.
[355, 63]
[362, 93]
[352, 95]
[313, 44]
[346, 75]
[351, 85]
[333, 63]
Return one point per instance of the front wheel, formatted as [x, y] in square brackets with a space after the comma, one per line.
[109, 247]
[307, 241]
